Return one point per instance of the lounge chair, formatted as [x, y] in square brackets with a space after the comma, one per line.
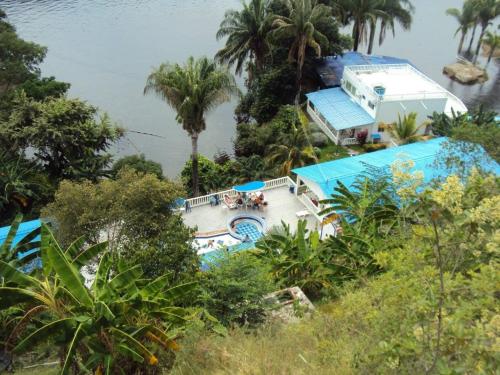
[230, 203]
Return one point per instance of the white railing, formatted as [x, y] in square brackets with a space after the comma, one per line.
[326, 129]
[349, 141]
[271, 184]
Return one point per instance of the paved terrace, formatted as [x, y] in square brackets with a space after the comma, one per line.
[282, 206]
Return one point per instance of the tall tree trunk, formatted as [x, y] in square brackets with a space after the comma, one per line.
[472, 38]
[373, 26]
[301, 55]
[461, 44]
[480, 41]
[356, 35]
[194, 159]
[490, 55]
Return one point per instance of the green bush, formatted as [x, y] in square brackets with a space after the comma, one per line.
[233, 289]
[370, 147]
[138, 163]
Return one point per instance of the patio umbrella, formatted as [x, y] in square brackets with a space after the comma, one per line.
[250, 187]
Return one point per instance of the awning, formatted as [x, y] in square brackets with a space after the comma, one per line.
[339, 109]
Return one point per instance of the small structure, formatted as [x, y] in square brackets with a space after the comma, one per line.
[292, 304]
[372, 96]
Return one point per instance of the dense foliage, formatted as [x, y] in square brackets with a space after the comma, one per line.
[478, 127]
[131, 207]
[118, 324]
[233, 289]
[63, 134]
[138, 163]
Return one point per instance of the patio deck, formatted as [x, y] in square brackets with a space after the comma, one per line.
[282, 206]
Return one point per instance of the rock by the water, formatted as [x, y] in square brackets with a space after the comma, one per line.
[465, 72]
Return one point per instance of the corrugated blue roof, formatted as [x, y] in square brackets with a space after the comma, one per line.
[23, 230]
[339, 109]
[331, 69]
[346, 170]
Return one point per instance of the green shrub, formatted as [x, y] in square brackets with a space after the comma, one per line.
[233, 289]
[138, 163]
[370, 147]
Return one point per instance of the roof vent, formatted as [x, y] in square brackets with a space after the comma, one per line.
[379, 90]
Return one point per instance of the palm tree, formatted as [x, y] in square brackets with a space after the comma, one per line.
[301, 26]
[405, 130]
[493, 42]
[293, 152]
[487, 11]
[362, 13]
[465, 19]
[247, 32]
[296, 258]
[393, 10]
[193, 90]
[367, 200]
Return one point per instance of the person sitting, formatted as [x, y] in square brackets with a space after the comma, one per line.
[239, 200]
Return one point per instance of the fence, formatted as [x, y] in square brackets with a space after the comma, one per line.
[271, 184]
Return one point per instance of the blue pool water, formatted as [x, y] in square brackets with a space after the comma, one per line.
[249, 229]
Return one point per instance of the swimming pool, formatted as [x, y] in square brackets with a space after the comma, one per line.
[247, 228]
[242, 233]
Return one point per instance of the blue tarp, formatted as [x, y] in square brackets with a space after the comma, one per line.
[346, 170]
[339, 109]
[331, 69]
[250, 186]
[23, 230]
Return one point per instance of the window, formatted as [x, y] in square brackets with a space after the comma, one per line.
[350, 87]
[371, 104]
[381, 127]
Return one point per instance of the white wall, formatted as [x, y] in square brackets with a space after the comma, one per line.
[364, 94]
[388, 110]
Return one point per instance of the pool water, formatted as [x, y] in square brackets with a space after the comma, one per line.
[247, 228]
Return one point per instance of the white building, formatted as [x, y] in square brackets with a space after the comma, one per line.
[373, 96]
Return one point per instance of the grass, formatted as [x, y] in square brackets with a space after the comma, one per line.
[303, 348]
[39, 370]
[332, 152]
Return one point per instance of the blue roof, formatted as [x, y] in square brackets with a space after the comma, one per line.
[339, 109]
[23, 230]
[331, 69]
[346, 170]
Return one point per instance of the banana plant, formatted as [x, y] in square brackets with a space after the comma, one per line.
[297, 259]
[11, 252]
[117, 325]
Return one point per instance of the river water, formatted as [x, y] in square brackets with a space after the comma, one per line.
[106, 49]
